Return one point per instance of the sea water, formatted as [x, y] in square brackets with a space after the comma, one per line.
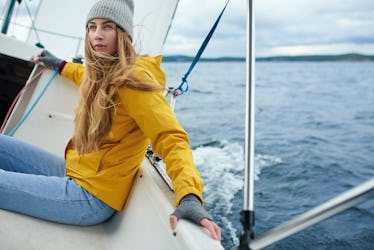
[314, 139]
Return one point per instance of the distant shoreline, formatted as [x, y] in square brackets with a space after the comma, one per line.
[313, 58]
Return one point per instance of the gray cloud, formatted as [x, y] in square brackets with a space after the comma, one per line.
[336, 25]
[282, 27]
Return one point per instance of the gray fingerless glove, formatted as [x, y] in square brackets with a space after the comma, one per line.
[50, 60]
[190, 208]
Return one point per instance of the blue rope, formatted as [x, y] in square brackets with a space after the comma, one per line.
[183, 87]
[11, 133]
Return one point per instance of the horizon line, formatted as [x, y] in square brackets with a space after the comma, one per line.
[276, 56]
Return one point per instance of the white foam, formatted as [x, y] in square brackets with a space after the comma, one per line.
[264, 161]
[225, 164]
[222, 171]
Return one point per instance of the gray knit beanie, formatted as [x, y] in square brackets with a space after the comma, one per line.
[119, 11]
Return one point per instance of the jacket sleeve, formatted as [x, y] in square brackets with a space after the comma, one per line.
[154, 116]
[73, 72]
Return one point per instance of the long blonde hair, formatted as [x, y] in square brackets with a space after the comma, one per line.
[104, 75]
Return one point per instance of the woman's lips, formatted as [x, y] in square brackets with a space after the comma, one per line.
[99, 46]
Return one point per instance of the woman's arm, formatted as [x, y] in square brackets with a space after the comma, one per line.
[153, 114]
[72, 71]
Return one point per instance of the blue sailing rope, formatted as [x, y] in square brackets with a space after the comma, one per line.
[11, 133]
[183, 87]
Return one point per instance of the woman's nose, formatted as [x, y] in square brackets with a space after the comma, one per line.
[98, 34]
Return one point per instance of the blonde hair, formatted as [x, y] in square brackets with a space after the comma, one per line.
[98, 99]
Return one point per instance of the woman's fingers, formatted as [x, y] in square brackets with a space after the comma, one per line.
[214, 230]
[173, 222]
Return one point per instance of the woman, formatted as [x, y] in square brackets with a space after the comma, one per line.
[121, 110]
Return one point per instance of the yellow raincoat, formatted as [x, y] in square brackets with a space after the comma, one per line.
[143, 117]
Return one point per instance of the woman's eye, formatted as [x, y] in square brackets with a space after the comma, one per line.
[108, 27]
[91, 27]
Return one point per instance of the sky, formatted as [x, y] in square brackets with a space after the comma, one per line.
[282, 27]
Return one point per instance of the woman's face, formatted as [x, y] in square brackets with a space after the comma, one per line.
[102, 34]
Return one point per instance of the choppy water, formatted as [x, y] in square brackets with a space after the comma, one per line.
[314, 140]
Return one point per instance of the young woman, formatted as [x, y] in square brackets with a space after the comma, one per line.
[121, 110]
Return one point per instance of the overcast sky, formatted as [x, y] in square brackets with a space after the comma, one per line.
[283, 27]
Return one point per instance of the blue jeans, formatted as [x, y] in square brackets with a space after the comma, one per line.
[33, 182]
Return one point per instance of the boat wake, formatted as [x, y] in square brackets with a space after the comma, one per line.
[221, 166]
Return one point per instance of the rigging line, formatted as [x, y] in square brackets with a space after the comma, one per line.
[15, 18]
[32, 22]
[3, 12]
[11, 133]
[8, 16]
[47, 31]
[183, 87]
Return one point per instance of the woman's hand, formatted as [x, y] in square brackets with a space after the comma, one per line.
[48, 59]
[191, 209]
